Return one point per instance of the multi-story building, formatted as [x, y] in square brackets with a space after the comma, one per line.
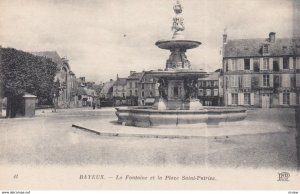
[148, 90]
[106, 94]
[209, 92]
[261, 72]
[119, 91]
[132, 87]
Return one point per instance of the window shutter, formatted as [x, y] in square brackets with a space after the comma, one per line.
[251, 64]
[261, 63]
[286, 80]
[261, 80]
[298, 63]
[252, 99]
[229, 64]
[228, 98]
[241, 64]
[280, 63]
[297, 80]
[292, 99]
[280, 98]
[271, 63]
[271, 80]
[241, 98]
[291, 63]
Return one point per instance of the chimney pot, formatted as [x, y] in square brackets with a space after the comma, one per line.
[272, 37]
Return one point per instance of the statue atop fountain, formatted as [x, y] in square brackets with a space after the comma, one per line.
[178, 26]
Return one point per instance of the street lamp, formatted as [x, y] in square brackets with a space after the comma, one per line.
[54, 101]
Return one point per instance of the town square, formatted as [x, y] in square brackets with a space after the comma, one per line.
[190, 84]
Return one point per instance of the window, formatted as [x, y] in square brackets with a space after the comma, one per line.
[276, 64]
[151, 93]
[286, 98]
[247, 81]
[200, 84]
[266, 80]
[208, 92]
[216, 83]
[130, 84]
[216, 92]
[266, 64]
[136, 92]
[143, 94]
[276, 81]
[234, 81]
[297, 98]
[286, 80]
[234, 98]
[130, 92]
[208, 84]
[247, 64]
[143, 86]
[234, 64]
[246, 98]
[265, 48]
[200, 92]
[256, 65]
[285, 63]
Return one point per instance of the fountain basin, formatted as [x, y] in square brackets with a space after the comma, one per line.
[183, 44]
[149, 117]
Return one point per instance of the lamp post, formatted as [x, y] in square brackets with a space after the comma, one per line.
[54, 102]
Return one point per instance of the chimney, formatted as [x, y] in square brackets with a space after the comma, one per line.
[225, 37]
[132, 72]
[272, 37]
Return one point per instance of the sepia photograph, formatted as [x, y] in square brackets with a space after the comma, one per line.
[149, 95]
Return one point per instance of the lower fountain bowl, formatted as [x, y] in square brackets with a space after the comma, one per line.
[149, 117]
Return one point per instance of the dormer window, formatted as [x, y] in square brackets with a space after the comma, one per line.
[265, 49]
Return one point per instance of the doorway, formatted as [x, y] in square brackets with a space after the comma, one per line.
[265, 101]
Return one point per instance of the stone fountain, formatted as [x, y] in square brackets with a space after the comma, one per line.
[177, 102]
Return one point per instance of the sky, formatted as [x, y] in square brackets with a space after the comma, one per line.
[103, 38]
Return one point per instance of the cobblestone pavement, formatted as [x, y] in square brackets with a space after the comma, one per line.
[49, 139]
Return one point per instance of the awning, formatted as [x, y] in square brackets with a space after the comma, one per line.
[150, 100]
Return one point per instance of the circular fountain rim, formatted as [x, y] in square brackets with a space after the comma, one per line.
[168, 111]
[185, 44]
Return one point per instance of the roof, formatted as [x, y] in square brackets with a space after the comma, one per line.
[211, 76]
[120, 81]
[106, 87]
[53, 55]
[136, 76]
[253, 47]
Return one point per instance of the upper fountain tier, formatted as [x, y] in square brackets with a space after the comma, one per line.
[178, 44]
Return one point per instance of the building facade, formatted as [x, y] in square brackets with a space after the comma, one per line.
[132, 87]
[67, 96]
[261, 72]
[119, 91]
[209, 89]
[148, 90]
